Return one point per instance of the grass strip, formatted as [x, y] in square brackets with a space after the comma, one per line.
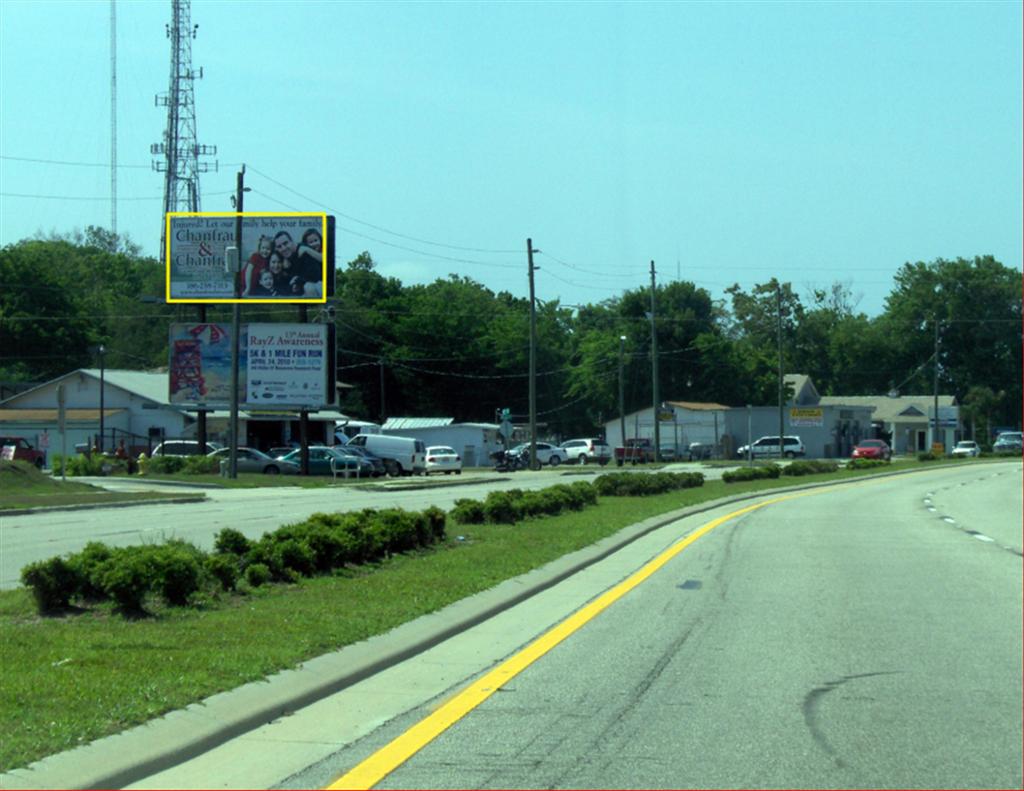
[72, 679]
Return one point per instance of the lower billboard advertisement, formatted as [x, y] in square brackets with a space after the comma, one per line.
[280, 365]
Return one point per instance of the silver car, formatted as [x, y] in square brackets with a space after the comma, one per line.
[252, 460]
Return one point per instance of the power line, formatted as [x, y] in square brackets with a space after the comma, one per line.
[381, 228]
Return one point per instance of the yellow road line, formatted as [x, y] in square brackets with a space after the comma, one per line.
[388, 758]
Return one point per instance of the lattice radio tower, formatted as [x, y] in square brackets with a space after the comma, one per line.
[180, 150]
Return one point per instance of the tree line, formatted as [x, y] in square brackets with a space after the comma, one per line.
[455, 348]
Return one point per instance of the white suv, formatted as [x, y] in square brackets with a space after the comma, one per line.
[769, 446]
[584, 451]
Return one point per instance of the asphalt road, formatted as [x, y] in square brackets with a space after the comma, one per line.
[867, 635]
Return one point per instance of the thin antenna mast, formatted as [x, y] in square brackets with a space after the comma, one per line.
[113, 117]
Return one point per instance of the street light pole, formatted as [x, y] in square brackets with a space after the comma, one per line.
[236, 328]
[656, 401]
[533, 359]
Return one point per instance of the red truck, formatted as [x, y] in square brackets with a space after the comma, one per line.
[23, 451]
[636, 451]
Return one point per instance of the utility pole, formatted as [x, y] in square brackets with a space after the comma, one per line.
[935, 387]
[102, 350]
[778, 299]
[236, 325]
[654, 373]
[533, 360]
[622, 399]
[383, 411]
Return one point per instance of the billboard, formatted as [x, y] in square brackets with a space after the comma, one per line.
[280, 365]
[287, 364]
[283, 257]
[199, 373]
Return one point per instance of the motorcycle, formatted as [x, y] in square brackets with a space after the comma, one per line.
[507, 461]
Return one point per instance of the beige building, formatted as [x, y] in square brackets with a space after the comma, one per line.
[904, 420]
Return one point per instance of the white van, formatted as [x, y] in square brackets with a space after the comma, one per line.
[401, 455]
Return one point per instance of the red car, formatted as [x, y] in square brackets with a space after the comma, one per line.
[872, 449]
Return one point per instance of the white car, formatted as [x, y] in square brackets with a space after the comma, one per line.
[584, 451]
[767, 447]
[546, 453]
[441, 458]
[967, 448]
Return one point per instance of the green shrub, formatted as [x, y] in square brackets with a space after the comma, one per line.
[126, 576]
[627, 484]
[53, 582]
[224, 569]
[201, 465]
[503, 508]
[810, 467]
[231, 542]
[177, 571]
[166, 465]
[586, 492]
[864, 464]
[89, 565]
[331, 546]
[294, 555]
[257, 574]
[468, 512]
[751, 473]
[81, 465]
[437, 521]
[927, 456]
[531, 503]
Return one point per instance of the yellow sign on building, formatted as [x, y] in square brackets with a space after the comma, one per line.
[810, 416]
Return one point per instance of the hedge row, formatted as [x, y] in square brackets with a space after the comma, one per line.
[509, 507]
[177, 571]
[752, 473]
[628, 484]
[810, 467]
[864, 464]
[168, 465]
[86, 465]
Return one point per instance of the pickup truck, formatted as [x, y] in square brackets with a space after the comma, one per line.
[22, 451]
[636, 451]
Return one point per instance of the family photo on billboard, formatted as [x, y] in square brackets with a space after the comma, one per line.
[284, 267]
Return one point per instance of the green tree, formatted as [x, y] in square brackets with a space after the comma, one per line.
[977, 306]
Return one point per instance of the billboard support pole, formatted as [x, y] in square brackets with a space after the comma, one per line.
[236, 323]
[303, 415]
[201, 414]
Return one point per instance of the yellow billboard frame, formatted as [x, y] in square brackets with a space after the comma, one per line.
[240, 301]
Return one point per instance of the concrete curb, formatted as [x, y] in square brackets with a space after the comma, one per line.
[46, 509]
[121, 759]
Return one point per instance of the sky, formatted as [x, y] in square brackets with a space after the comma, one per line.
[729, 143]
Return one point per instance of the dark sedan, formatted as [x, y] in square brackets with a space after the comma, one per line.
[379, 468]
